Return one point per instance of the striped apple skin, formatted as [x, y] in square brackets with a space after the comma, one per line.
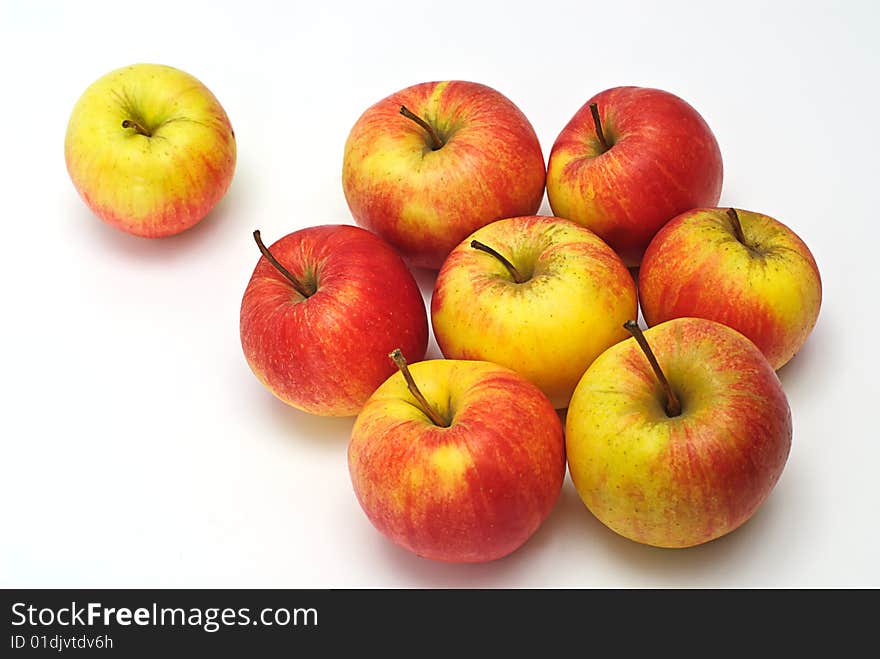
[471, 492]
[769, 289]
[155, 186]
[685, 480]
[325, 354]
[663, 160]
[424, 202]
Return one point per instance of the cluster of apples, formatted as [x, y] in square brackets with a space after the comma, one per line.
[673, 437]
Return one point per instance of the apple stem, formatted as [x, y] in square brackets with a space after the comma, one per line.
[737, 225]
[138, 128]
[517, 277]
[297, 285]
[673, 405]
[436, 142]
[594, 110]
[400, 361]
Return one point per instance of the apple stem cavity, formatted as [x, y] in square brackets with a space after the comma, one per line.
[673, 405]
[517, 277]
[138, 128]
[594, 110]
[737, 225]
[436, 142]
[297, 285]
[400, 361]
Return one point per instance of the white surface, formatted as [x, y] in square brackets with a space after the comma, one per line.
[136, 448]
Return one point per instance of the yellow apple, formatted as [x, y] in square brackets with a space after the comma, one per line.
[678, 441]
[563, 302]
[150, 149]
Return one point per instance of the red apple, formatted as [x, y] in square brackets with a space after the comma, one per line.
[432, 163]
[323, 308]
[457, 461]
[630, 160]
[739, 268]
[677, 437]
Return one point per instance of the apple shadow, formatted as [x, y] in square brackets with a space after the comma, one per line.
[322, 432]
[425, 278]
[701, 566]
[205, 235]
[419, 572]
[713, 564]
[544, 208]
[571, 531]
[501, 573]
[634, 273]
[807, 359]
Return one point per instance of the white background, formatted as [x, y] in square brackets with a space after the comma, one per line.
[136, 447]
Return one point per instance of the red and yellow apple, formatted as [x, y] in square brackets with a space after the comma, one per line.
[431, 163]
[322, 310]
[631, 159]
[739, 268]
[461, 465]
[150, 150]
[683, 464]
[550, 300]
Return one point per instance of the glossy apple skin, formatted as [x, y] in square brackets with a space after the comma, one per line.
[325, 354]
[150, 186]
[663, 161]
[474, 491]
[424, 202]
[685, 480]
[768, 289]
[550, 328]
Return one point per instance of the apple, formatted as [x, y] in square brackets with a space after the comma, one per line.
[457, 461]
[430, 164]
[323, 308]
[677, 437]
[739, 268]
[150, 150]
[540, 295]
[631, 159]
